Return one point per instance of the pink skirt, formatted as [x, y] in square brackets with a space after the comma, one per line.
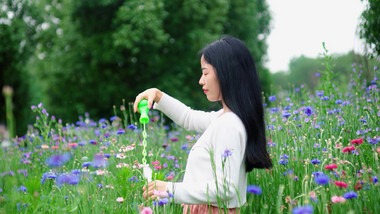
[204, 208]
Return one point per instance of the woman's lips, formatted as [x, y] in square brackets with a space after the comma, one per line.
[205, 91]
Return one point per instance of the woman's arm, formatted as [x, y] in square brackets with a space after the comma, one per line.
[183, 115]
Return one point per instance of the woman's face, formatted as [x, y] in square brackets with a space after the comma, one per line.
[209, 81]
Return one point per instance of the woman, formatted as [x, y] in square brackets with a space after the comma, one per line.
[233, 138]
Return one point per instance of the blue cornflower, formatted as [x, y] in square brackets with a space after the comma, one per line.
[22, 188]
[283, 161]
[163, 201]
[322, 180]
[57, 160]
[103, 120]
[226, 153]
[308, 111]
[98, 162]
[287, 108]
[120, 131]
[134, 178]
[338, 101]
[113, 118]
[325, 98]
[82, 143]
[133, 127]
[75, 171]
[100, 186]
[320, 94]
[315, 161]
[316, 174]
[185, 146]
[272, 98]
[254, 189]
[284, 156]
[286, 114]
[86, 164]
[308, 209]
[374, 179]
[68, 179]
[93, 142]
[349, 195]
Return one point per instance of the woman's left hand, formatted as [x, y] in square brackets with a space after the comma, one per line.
[155, 185]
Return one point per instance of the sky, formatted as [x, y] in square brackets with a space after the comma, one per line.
[300, 26]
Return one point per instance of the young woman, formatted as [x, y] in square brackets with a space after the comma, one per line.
[233, 139]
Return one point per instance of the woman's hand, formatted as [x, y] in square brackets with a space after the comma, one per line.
[153, 187]
[152, 94]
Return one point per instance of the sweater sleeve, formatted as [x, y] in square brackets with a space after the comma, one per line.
[227, 152]
[191, 120]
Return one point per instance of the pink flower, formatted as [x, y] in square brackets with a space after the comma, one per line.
[54, 147]
[331, 166]
[169, 177]
[340, 184]
[161, 194]
[155, 162]
[73, 145]
[357, 141]
[158, 167]
[146, 210]
[348, 149]
[120, 199]
[337, 199]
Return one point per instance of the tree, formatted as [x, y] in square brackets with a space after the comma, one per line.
[18, 23]
[370, 26]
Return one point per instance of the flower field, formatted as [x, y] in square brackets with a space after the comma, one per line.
[324, 147]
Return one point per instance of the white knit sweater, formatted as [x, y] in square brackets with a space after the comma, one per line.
[220, 132]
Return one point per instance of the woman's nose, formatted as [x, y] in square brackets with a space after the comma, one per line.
[201, 82]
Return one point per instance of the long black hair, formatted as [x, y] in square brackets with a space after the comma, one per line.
[241, 92]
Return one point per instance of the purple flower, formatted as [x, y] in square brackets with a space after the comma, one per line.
[113, 118]
[134, 178]
[57, 160]
[68, 179]
[185, 146]
[254, 189]
[349, 195]
[308, 209]
[226, 153]
[374, 179]
[75, 171]
[103, 120]
[286, 114]
[22, 188]
[86, 164]
[33, 107]
[325, 98]
[315, 161]
[272, 98]
[338, 101]
[322, 179]
[98, 162]
[308, 111]
[133, 127]
[120, 131]
[93, 142]
[283, 161]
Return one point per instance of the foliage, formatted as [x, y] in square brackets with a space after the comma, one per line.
[370, 26]
[308, 72]
[322, 161]
[87, 56]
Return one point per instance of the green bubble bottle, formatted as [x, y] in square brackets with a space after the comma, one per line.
[143, 108]
[144, 119]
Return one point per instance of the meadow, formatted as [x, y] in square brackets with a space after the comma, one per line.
[324, 147]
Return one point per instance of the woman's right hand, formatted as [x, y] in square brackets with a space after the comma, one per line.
[152, 94]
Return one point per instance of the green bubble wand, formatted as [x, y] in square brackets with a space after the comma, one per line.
[144, 119]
